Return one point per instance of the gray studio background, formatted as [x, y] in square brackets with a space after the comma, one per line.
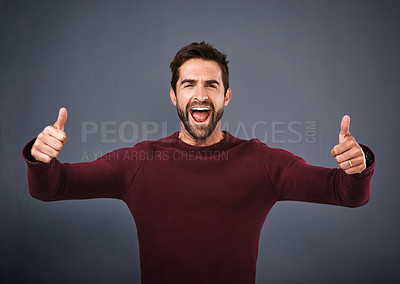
[296, 68]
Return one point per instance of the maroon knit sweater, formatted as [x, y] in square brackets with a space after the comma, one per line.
[198, 210]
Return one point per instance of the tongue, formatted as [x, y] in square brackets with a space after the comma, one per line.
[200, 116]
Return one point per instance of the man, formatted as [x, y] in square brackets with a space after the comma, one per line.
[200, 196]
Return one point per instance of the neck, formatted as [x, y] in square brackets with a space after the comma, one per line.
[216, 136]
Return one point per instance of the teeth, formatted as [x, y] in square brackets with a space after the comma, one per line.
[200, 108]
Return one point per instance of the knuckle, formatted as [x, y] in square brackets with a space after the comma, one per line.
[59, 146]
[38, 144]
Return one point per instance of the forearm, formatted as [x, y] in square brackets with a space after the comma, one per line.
[328, 186]
[105, 177]
[295, 180]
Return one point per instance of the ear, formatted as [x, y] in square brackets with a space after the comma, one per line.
[228, 96]
[172, 95]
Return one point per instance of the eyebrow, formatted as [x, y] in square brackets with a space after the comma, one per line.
[191, 81]
[212, 82]
[188, 81]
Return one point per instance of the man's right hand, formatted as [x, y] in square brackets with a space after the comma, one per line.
[51, 140]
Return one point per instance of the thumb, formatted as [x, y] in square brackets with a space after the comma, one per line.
[344, 128]
[62, 118]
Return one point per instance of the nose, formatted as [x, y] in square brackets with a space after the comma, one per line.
[201, 94]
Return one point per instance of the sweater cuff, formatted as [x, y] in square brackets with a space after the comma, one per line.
[370, 163]
[369, 156]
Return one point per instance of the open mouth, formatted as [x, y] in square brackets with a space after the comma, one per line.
[200, 114]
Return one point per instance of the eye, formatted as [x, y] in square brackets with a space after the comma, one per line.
[188, 85]
[212, 86]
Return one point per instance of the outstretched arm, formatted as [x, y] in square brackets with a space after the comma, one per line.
[49, 180]
[296, 180]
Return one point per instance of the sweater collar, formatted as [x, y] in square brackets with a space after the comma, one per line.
[227, 142]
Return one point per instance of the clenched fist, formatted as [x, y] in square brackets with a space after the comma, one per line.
[348, 154]
[51, 140]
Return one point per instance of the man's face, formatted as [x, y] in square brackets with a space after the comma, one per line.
[200, 97]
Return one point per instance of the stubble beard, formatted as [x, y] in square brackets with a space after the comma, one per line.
[204, 131]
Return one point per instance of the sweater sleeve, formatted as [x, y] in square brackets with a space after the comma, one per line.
[293, 179]
[107, 177]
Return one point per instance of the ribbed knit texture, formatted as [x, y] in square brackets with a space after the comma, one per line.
[198, 210]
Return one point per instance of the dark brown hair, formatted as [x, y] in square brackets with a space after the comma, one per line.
[203, 51]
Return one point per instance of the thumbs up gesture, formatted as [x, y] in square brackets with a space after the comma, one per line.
[348, 154]
[51, 140]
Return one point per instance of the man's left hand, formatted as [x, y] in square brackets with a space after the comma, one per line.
[348, 154]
